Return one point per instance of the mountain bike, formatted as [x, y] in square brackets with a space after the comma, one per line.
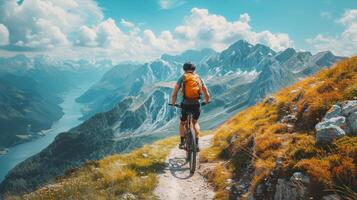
[190, 140]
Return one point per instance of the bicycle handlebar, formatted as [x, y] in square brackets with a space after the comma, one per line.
[179, 106]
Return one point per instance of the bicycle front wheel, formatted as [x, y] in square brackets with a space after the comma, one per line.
[193, 154]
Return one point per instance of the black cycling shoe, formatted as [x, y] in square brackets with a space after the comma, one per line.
[182, 146]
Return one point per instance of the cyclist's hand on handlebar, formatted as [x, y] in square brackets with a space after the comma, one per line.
[176, 105]
[205, 103]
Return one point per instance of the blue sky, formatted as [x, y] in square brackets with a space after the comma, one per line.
[301, 19]
[144, 29]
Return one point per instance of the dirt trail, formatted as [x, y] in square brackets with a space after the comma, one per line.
[176, 182]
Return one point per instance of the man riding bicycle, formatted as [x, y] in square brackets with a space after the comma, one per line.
[192, 86]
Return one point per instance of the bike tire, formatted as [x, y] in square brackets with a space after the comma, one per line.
[193, 153]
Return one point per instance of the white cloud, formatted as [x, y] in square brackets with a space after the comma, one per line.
[86, 36]
[202, 29]
[343, 44]
[42, 24]
[127, 24]
[50, 26]
[170, 4]
[110, 35]
[4, 35]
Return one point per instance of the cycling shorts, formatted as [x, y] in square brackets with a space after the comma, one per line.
[190, 108]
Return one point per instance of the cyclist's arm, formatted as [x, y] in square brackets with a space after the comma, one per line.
[174, 93]
[206, 93]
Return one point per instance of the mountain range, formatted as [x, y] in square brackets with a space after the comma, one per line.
[128, 106]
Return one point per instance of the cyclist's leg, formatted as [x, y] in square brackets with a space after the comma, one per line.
[182, 128]
[196, 111]
[183, 119]
[196, 126]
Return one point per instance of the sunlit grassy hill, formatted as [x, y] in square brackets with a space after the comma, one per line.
[121, 176]
[261, 144]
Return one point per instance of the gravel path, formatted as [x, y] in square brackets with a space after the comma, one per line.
[175, 182]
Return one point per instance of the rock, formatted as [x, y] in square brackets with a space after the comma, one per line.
[210, 195]
[339, 121]
[240, 189]
[352, 123]
[270, 100]
[327, 134]
[295, 91]
[290, 119]
[300, 177]
[295, 108]
[334, 111]
[233, 139]
[128, 196]
[331, 197]
[290, 190]
[349, 107]
[259, 190]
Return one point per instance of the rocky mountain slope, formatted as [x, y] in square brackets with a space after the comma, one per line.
[268, 151]
[30, 91]
[238, 59]
[299, 143]
[142, 113]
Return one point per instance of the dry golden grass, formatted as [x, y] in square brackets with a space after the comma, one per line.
[112, 177]
[328, 168]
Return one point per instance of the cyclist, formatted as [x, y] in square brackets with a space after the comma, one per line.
[192, 86]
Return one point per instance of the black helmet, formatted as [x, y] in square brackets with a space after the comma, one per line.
[189, 66]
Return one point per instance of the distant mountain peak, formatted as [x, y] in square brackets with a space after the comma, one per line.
[241, 44]
[189, 55]
[285, 55]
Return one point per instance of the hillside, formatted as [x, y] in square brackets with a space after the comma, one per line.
[118, 176]
[268, 151]
[24, 109]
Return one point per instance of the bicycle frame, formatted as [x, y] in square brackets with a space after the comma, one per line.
[190, 141]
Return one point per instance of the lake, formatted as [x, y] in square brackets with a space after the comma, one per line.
[70, 119]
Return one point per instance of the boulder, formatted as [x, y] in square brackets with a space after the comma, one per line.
[327, 133]
[334, 111]
[339, 121]
[352, 123]
[300, 177]
[128, 196]
[290, 119]
[290, 190]
[270, 100]
[349, 107]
